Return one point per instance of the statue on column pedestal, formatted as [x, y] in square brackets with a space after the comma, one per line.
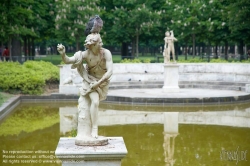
[96, 76]
[169, 47]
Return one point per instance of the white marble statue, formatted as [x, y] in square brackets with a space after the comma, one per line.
[96, 76]
[169, 46]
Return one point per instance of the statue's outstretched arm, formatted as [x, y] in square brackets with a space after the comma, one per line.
[172, 33]
[65, 58]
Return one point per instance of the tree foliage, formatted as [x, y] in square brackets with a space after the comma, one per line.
[213, 22]
[16, 15]
[72, 17]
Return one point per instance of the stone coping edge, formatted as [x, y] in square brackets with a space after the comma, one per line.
[179, 101]
[114, 150]
[8, 106]
[11, 103]
[57, 97]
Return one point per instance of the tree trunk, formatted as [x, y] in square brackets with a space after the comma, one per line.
[16, 49]
[1, 51]
[199, 51]
[43, 48]
[241, 52]
[77, 43]
[133, 47]
[32, 48]
[216, 52]
[124, 50]
[185, 52]
[9, 46]
[29, 48]
[226, 50]
[202, 50]
[25, 47]
[193, 49]
[208, 52]
[137, 45]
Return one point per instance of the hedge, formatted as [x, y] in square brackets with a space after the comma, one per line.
[29, 78]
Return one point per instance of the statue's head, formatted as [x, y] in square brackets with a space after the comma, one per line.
[167, 33]
[93, 39]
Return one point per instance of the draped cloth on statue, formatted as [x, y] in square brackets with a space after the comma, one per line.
[102, 90]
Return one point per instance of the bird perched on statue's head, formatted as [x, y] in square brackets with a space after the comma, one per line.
[94, 25]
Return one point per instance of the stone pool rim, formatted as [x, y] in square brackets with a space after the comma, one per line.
[11, 103]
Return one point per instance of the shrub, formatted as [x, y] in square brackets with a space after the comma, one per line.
[130, 60]
[246, 61]
[193, 60]
[218, 61]
[29, 78]
[147, 60]
[46, 69]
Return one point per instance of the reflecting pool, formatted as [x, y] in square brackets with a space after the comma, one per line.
[154, 136]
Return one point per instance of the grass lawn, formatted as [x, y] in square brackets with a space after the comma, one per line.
[4, 97]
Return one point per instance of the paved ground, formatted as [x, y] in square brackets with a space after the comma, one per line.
[184, 93]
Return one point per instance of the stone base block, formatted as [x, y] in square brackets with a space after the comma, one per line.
[100, 141]
[107, 155]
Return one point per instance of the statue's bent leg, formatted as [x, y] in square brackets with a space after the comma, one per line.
[168, 55]
[173, 53]
[94, 107]
[84, 121]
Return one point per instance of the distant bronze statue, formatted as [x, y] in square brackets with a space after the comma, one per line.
[169, 47]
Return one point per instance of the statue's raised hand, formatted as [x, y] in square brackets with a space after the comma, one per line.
[61, 49]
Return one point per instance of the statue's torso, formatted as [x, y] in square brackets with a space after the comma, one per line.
[96, 64]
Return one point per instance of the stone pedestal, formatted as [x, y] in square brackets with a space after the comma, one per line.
[108, 155]
[171, 78]
[248, 88]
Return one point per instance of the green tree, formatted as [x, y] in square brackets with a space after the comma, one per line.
[219, 29]
[44, 23]
[72, 17]
[189, 20]
[134, 16]
[239, 22]
[15, 17]
[26, 21]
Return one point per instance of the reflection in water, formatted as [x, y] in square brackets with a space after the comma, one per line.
[238, 117]
[153, 138]
[29, 136]
[68, 119]
[170, 132]
[168, 146]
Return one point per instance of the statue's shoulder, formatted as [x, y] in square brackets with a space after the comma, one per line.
[106, 52]
[80, 54]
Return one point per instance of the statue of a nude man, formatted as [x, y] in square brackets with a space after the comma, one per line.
[169, 47]
[96, 75]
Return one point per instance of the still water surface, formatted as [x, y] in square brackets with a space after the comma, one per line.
[207, 135]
